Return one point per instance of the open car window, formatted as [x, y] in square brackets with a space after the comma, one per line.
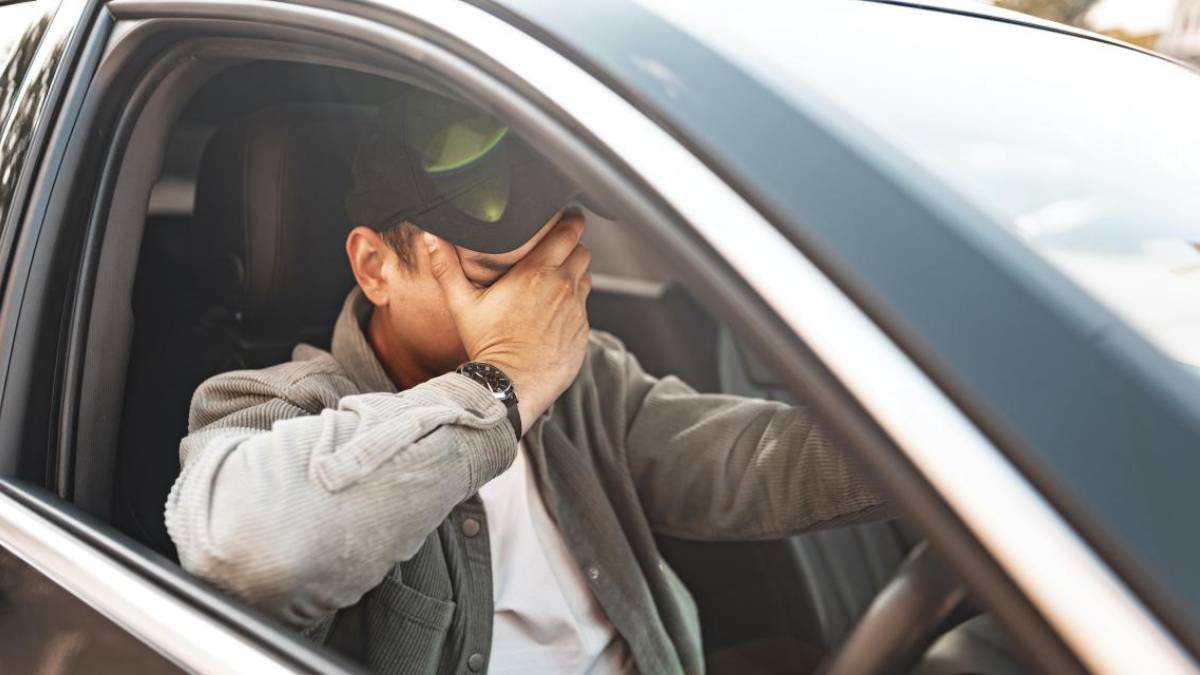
[789, 602]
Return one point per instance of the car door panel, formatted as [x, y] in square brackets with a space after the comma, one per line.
[48, 630]
[153, 602]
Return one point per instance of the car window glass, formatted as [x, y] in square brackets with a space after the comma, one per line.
[48, 630]
[21, 28]
[1086, 152]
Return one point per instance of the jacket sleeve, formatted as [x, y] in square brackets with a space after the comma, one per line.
[299, 501]
[714, 467]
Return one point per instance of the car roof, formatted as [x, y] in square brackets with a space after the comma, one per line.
[539, 16]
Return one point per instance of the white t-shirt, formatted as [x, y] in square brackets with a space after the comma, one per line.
[547, 619]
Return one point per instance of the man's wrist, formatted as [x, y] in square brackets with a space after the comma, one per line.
[496, 381]
[533, 398]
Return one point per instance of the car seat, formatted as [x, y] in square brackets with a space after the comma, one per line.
[260, 267]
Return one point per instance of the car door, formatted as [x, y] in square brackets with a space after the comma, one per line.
[75, 596]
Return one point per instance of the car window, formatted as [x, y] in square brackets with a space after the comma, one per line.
[1086, 152]
[21, 28]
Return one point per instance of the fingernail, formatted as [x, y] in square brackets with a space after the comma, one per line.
[430, 242]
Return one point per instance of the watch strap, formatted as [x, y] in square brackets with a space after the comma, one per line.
[514, 418]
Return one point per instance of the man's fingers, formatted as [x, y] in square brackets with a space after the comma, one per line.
[554, 248]
[577, 263]
[447, 269]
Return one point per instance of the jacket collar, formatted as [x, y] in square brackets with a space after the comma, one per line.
[351, 349]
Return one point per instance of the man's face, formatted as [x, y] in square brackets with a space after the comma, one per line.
[409, 301]
[483, 269]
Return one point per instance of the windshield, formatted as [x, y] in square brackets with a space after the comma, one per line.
[1088, 153]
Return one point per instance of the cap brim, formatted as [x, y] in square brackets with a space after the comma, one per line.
[535, 196]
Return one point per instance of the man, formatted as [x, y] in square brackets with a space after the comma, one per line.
[499, 518]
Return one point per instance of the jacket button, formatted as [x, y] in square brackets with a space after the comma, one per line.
[470, 527]
[593, 573]
[475, 662]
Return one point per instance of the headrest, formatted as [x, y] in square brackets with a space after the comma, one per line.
[268, 237]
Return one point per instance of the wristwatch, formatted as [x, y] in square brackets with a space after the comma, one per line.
[498, 384]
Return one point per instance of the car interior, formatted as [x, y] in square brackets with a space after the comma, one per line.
[240, 258]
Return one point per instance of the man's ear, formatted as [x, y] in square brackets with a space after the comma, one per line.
[369, 257]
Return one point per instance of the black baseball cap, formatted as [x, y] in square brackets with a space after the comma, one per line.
[452, 169]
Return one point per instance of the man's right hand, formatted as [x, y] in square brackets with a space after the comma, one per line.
[532, 323]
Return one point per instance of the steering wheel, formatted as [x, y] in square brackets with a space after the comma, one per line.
[903, 621]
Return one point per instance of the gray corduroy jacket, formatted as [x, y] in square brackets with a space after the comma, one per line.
[316, 492]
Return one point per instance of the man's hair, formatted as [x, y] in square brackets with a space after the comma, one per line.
[400, 238]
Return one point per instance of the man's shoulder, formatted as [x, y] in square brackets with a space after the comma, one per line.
[606, 363]
[312, 381]
[604, 343]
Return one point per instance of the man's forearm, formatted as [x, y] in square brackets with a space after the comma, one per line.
[302, 519]
[714, 466]
[730, 468]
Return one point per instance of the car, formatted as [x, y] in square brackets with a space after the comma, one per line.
[966, 239]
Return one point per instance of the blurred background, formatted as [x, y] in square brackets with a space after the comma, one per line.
[1168, 26]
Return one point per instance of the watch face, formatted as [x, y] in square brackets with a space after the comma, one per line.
[489, 376]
